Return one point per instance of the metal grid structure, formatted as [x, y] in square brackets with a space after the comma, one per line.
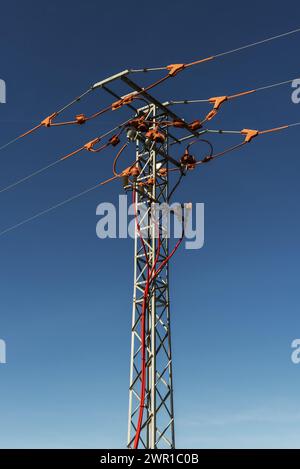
[157, 430]
[158, 425]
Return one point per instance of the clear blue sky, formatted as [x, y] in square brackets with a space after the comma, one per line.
[66, 295]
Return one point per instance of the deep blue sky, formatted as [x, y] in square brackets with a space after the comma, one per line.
[66, 295]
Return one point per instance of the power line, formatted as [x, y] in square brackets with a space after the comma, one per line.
[45, 168]
[253, 44]
[221, 54]
[261, 88]
[172, 73]
[64, 108]
[70, 199]
[221, 131]
[267, 87]
[50, 209]
[26, 178]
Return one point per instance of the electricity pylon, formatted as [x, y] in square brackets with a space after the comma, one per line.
[152, 159]
[158, 422]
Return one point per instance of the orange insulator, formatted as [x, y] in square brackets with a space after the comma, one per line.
[134, 171]
[250, 134]
[139, 123]
[48, 120]
[126, 171]
[188, 160]
[143, 126]
[121, 102]
[114, 140]
[80, 119]
[156, 136]
[218, 101]
[207, 158]
[195, 125]
[178, 124]
[90, 145]
[175, 68]
[162, 172]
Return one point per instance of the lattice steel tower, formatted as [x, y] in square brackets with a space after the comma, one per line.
[158, 421]
[152, 160]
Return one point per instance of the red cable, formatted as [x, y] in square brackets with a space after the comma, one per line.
[143, 322]
[169, 256]
[143, 371]
[150, 278]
